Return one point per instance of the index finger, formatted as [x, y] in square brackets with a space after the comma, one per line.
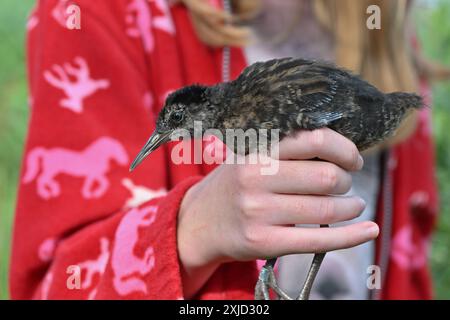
[324, 144]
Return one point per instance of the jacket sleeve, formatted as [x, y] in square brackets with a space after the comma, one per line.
[85, 227]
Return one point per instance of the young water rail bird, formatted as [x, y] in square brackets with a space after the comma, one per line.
[290, 95]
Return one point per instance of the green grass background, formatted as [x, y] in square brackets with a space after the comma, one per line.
[434, 31]
[13, 118]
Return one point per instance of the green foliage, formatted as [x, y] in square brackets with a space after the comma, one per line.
[13, 118]
[434, 29]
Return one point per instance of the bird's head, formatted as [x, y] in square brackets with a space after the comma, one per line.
[181, 109]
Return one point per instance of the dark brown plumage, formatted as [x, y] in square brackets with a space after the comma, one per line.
[290, 95]
[294, 94]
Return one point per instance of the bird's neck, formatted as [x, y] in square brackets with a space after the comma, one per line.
[217, 95]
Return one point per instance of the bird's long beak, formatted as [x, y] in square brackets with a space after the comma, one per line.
[156, 139]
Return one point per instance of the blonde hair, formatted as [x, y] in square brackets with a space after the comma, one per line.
[382, 56]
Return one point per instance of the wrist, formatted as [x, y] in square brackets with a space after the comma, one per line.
[197, 263]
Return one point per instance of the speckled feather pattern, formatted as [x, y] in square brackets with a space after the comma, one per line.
[295, 94]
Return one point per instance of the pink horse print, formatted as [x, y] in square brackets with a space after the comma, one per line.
[92, 164]
[95, 266]
[140, 194]
[76, 91]
[141, 22]
[127, 267]
[59, 12]
[164, 22]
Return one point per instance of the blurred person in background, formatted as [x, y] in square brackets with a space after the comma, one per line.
[95, 99]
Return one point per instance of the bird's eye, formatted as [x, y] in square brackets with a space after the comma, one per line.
[177, 116]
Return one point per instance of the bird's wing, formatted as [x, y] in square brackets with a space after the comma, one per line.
[310, 92]
[261, 71]
[290, 87]
[322, 119]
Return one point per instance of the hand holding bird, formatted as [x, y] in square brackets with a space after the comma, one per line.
[291, 95]
[241, 215]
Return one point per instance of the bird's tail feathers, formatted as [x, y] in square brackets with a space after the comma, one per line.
[407, 100]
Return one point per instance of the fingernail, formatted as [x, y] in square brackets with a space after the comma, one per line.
[360, 162]
[363, 204]
[373, 231]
